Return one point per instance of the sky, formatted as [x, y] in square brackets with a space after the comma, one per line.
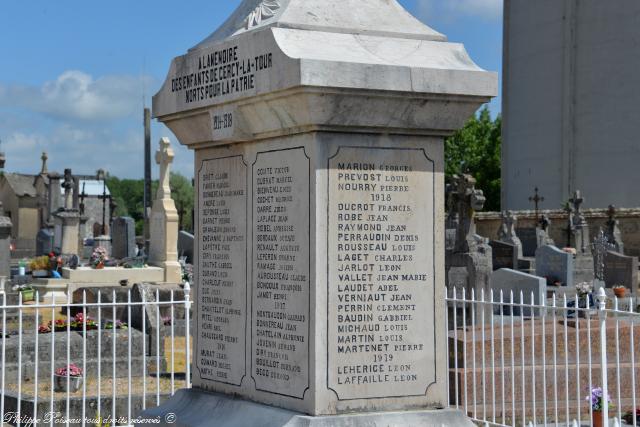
[75, 74]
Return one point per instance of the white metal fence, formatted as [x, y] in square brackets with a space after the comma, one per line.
[513, 362]
[133, 354]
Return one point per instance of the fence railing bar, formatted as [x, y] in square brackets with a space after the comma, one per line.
[187, 334]
[522, 357]
[589, 361]
[173, 347]
[53, 352]
[455, 350]
[555, 357]
[483, 359]
[19, 411]
[144, 354]
[566, 358]
[4, 346]
[533, 364]
[36, 360]
[493, 360]
[473, 355]
[84, 357]
[502, 366]
[68, 379]
[100, 414]
[464, 353]
[619, 395]
[513, 366]
[129, 383]
[578, 396]
[114, 337]
[633, 366]
[157, 349]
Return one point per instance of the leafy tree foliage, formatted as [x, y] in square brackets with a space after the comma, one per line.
[129, 195]
[476, 149]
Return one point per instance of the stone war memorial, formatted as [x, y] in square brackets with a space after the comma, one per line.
[318, 128]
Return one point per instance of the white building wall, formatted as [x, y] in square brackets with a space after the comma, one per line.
[571, 102]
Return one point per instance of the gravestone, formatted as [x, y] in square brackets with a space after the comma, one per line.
[579, 228]
[555, 265]
[621, 270]
[123, 235]
[318, 230]
[529, 239]
[185, 246]
[505, 255]
[67, 220]
[44, 242]
[526, 288]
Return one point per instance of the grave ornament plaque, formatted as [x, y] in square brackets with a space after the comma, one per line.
[319, 259]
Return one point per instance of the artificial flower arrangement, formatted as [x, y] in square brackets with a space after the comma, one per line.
[71, 370]
[99, 257]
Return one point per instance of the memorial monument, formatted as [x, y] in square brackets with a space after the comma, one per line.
[318, 128]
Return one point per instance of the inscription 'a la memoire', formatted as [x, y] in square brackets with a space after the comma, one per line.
[221, 73]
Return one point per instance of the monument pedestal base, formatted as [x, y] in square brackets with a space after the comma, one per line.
[191, 408]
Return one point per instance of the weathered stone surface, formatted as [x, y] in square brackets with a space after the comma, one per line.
[196, 408]
[525, 288]
[504, 255]
[163, 249]
[555, 265]
[123, 235]
[319, 242]
[621, 270]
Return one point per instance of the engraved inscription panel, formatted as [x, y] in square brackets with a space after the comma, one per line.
[280, 293]
[222, 270]
[381, 284]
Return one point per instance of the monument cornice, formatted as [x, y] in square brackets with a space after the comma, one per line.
[317, 109]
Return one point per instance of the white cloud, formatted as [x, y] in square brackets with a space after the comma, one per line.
[78, 96]
[451, 9]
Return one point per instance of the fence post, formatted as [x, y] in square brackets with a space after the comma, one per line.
[602, 316]
[187, 332]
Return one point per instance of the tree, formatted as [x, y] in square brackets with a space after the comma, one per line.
[476, 149]
[182, 194]
[129, 195]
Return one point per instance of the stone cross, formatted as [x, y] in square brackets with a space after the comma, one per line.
[68, 185]
[613, 232]
[44, 158]
[164, 157]
[536, 199]
[469, 200]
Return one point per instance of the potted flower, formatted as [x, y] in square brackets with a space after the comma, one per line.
[70, 375]
[584, 290]
[27, 292]
[98, 258]
[597, 401]
[620, 291]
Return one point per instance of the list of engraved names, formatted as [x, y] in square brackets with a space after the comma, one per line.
[280, 334]
[381, 267]
[222, 270]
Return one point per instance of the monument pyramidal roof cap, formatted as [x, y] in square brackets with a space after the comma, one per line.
[366, 17]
